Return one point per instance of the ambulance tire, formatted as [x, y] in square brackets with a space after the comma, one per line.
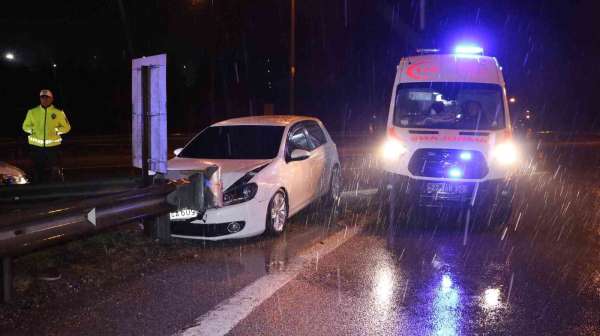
[392, 201]
[401, 212]
[492, 216]
[500, 215]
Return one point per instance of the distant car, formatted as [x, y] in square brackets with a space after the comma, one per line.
[271, 168]
[10, 175]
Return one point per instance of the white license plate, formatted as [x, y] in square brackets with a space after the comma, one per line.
[445, 188]
[183, 214]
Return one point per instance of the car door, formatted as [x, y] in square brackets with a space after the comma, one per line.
[298, 174]
[321, 165]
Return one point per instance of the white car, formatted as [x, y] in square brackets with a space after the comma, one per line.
[271, 168]
[10, 175]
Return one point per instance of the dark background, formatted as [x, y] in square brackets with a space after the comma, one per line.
[229, 58]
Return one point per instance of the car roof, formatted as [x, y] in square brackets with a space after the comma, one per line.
[450, 68]
[266, 120]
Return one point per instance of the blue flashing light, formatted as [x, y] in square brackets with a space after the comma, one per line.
[446, 281]
[468, 49]
[466, 156]
[455, 172]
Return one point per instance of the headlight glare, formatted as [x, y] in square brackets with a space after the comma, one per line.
[392, 149]
[505, 153]
[12, 179]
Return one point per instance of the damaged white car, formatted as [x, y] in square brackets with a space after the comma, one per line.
[269, 168]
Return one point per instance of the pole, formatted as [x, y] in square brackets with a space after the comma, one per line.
[125, 27]
[145, 125]
[422, 15]
[292, 56]
[148, 224]
[6, 274]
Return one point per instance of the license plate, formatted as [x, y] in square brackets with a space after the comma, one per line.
[183, 214]
[445, 188]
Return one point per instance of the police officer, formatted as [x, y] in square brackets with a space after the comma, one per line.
[45, 124]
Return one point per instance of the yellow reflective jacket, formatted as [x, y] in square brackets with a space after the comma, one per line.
[45, 125]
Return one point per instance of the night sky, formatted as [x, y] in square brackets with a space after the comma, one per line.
[230, 58]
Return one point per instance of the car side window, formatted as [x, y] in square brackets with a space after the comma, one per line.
[315, 134]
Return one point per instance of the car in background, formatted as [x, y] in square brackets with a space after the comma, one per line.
[449, 140]
[11, 175]
[271, 167]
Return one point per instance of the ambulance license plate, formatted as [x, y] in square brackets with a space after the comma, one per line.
[445, 188]
[183, 214]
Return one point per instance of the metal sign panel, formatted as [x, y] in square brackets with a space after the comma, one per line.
[158, 112]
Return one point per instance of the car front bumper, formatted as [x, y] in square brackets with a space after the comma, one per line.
[215, 223]
[445, 193]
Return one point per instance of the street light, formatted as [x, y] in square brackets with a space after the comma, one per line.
[512, 100]
[9, 56]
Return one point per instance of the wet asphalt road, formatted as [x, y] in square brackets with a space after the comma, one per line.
[538, 275]
[427, 281]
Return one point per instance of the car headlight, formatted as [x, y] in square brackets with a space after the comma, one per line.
[505, 153]
[392, 149]
[239, 194]
[21, 180]
[13, 179]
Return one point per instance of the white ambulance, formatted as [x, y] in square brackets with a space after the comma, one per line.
[449, 139]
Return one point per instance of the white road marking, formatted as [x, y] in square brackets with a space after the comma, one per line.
[225, 316]
[361, 192]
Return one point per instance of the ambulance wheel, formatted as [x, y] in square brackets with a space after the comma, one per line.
[491, 216]
[500, 215]
[391, 199]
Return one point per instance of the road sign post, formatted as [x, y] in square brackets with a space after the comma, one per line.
[7, 279]
[149, 126]
[149, 113]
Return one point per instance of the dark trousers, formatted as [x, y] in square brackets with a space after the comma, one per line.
[45, 163]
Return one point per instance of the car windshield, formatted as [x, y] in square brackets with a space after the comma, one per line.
[469, 106]
[235, 142]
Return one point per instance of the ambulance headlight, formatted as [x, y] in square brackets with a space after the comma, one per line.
[393, 149]
[505, 154]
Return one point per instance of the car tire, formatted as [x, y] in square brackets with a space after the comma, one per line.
[499, 209]
[335, 187]
[277, 213]
[500, 215]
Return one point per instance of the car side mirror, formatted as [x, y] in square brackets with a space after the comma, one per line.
[177, 151]
[299, 155]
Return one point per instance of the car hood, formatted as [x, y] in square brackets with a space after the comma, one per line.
[10, 170]
[231, 170]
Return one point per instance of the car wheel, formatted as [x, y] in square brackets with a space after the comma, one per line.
[500, 214]
[335, 186]
[496, 212]
[277, 213]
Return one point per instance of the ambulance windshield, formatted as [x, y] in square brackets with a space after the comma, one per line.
[449, 105]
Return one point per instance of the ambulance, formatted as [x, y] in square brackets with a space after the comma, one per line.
[449, 140]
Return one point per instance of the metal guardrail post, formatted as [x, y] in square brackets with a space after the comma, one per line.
[162, 229]
[7, 279]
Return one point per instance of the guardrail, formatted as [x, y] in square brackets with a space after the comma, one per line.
[24, 232]
[19, 194]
